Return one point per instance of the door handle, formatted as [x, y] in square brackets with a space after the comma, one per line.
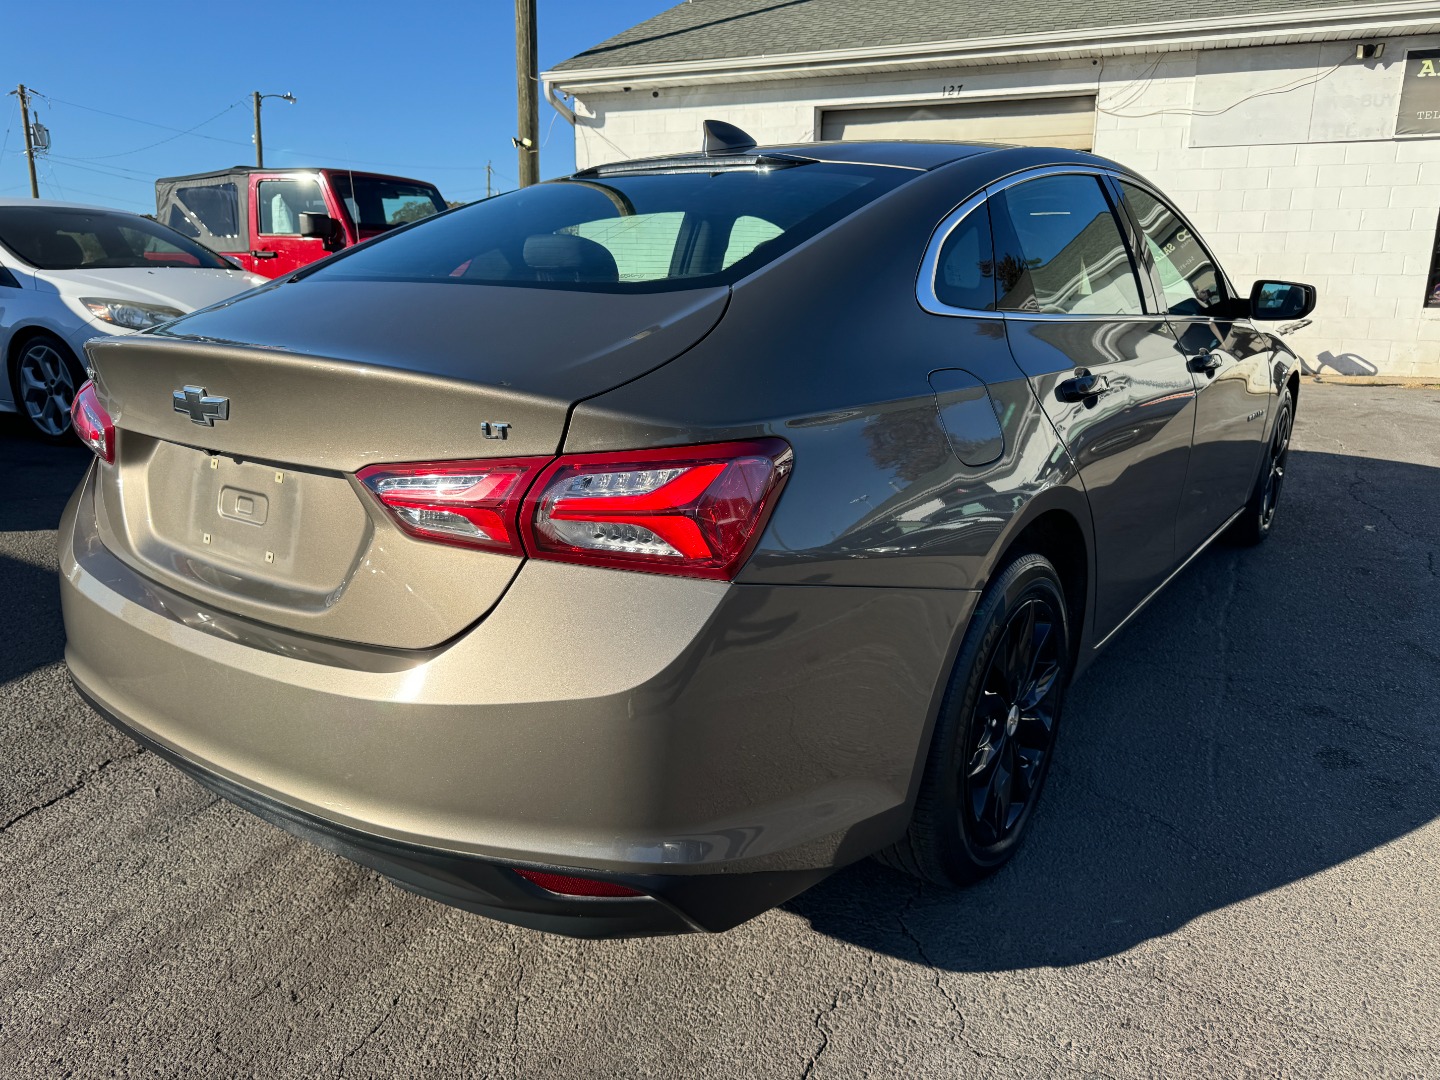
[1082, 386]
[264, 254]
[1206, 362]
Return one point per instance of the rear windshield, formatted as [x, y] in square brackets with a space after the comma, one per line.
[57, 238]
[642, 233]
[375, 202]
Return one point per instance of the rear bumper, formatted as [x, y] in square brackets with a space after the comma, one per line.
[672, 904]
[718, 747]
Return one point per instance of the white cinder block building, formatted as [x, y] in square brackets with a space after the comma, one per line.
[1302, 139]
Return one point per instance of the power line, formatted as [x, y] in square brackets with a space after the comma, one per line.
[168, 138]
[119, 174]
[147, 123]
[1294, 84]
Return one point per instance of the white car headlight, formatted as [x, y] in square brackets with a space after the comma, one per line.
[129, 314]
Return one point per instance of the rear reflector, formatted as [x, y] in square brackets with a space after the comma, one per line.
[93, 424]
[564, 885]
[694, 511]
[470, 503]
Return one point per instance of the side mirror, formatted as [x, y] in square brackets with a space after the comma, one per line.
[323, 227]
[1275, 300]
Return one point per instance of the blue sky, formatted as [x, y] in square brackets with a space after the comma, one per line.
[422, 89]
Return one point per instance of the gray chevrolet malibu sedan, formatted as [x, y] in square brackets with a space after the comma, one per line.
[624, 554]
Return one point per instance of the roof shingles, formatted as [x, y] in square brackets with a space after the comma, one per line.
[739, 29]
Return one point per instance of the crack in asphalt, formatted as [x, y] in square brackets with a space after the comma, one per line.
[1425, 541]
[389, 1012]
[520, 973]
[72, 790]
[925, 957]
[824, 1035]
[856, 994]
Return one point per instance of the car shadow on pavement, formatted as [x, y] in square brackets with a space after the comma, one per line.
[1270, 716]
[39, 479]
[34, 635]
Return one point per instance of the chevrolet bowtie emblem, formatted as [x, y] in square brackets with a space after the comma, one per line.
[191, 401]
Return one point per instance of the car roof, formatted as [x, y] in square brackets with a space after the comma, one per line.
[58, 204]
[903, 153]
[246, 170]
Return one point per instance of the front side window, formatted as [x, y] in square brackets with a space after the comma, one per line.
[281, 202]
[1191, 280]
[638, 232]
[58, 238]
[1059, 250]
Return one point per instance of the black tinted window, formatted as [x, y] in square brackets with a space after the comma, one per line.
[1191, 281]
[965, 271]
[60, 238]
[375, 202]
[1059, 250]
[635, 233]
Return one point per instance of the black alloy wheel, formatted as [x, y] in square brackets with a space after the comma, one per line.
[1278, 456]
[1013, 728]
[1253, 524]
[45, 377]
[995, 735]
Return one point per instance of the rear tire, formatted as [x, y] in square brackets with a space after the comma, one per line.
[44, 376]
[1254, 523]
[995, 734]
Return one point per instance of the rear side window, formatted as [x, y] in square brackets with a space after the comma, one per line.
[211, 207]
[965, 271]
[747, 234]
[70, 238]
[638, 232]
[1059, 250]
[1191, 281]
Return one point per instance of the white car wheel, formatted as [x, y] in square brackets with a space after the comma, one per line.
[46, 379]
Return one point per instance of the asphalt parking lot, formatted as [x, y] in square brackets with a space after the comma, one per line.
[1234, 872]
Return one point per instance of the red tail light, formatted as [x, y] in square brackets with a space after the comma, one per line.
[694, 510]
[470, 503]
[565, 885]
[92, 423]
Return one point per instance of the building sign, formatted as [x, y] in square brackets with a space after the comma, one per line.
[1420, 94]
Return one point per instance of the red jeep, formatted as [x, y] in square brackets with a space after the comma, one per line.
[273, 221]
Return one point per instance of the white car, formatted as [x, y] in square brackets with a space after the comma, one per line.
[69, 273]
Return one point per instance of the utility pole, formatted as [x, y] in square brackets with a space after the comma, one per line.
[24, 96]
[259, 145]
[527, 83]
[489, 168]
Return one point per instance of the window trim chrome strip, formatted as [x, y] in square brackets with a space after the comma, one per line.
[930, 264]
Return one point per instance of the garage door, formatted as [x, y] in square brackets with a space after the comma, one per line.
[1064, 121]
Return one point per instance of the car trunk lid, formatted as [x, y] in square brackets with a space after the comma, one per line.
[259, 513]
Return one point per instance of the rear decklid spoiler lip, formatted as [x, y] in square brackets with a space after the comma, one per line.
[338, 376]
[321, 413]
